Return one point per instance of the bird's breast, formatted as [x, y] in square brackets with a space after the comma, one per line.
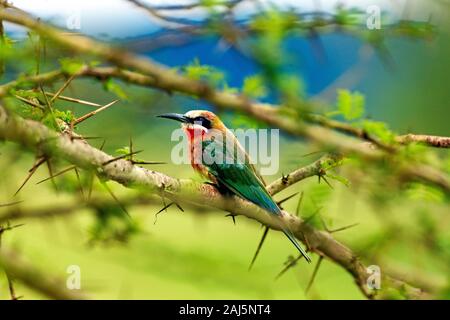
[196, 153]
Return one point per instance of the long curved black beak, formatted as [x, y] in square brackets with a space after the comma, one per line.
[176, 117]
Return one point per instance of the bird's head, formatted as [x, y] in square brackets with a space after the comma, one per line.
[202, 120]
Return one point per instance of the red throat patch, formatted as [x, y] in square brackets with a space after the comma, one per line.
[191, 133]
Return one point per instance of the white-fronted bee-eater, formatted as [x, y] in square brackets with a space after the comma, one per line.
[217, 155]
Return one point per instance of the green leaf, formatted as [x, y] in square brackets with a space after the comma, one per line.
[274, 23]
[254, 87]
[378, 129]
[112, 86]
[71, 66]
[123, 150]
[351, 106]
[229, 89]
[347, 16]
[292, 87]
[66, 116]
[199, 72]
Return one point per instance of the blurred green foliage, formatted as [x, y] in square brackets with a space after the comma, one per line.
[202, 254]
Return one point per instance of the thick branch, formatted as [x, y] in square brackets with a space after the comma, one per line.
[38, 137]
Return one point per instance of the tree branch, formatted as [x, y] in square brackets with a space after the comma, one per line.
[26, 273]
[38, 137]
[66, 209]
[268, 114]
[314, 169]
[432, 141]
[169, 80]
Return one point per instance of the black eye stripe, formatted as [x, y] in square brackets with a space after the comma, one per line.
[203, 122]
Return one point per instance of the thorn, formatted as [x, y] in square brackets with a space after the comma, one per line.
[164, 208]
[326, 180]
[50, 171]
[287, 198]
[57, 174]
[85, 138]
[79, 182]
[10, 204]
[29, 102]
[261, 242]
[179, 207]
[313, 215]
[233, 216]
[91, 185]
[7, 228]
[120, 157]
[12, 291]
[33, 169]
[324, 224]
[61, 97]
[64, 86]
[299, 204]
[116, 199]
[314, 274]
[90, 114]
[338, 229]
[49, 106]
[343, 228]
[103, 144]
[138, 161]
[311, 153]
[289, 264]
[131, 150]
[148, 162]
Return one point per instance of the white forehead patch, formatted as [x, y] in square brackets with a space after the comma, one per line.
[193, 113]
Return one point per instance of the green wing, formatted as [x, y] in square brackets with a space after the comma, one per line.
[240, 178]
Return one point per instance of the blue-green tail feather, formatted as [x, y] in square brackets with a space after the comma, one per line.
[297, 245]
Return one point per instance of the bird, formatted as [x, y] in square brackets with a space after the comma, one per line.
[208, 140]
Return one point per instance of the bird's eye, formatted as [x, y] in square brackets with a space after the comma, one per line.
[203, 122]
